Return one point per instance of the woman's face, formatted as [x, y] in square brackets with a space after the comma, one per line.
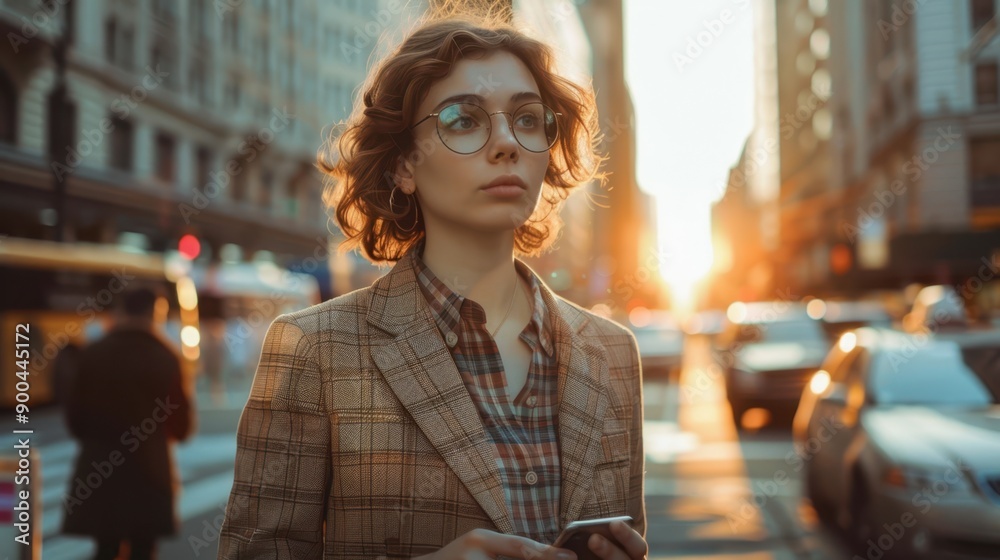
[450, 185]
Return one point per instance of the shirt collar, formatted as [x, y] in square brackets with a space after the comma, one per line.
[447, 307]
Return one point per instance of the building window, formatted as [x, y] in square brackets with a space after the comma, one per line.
[264, 60]
[231, 30]
[122, 140]
[163, 10]
[162, 60]
[239, 191]
[232, 93]
[198, 81]
[292, 200]
[196, 15]
[982, 12]
[8, 110]
[126, 54]
[165, 160]
[118, 44]
[110, 35]
[203, 166]
[984, 171]
[266, 189]
[986, 84]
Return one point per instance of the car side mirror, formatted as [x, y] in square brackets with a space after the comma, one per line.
[836, 395]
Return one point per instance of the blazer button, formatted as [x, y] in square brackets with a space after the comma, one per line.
[451, 338]
[531, 477]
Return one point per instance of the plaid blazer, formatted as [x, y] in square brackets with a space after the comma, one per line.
[360, 440]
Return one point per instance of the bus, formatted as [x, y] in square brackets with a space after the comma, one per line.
[237, 303]
[66, 292]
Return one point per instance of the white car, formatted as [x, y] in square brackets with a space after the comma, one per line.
[935, 308]
[661, 346]
[768, 355]
[900, 443]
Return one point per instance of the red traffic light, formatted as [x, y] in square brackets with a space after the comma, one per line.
[189, 246]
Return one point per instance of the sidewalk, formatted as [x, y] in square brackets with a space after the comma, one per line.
[214, 415]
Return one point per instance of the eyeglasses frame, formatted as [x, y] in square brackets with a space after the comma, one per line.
[510, 124]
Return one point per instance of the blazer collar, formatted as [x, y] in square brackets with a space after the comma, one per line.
[419, 368]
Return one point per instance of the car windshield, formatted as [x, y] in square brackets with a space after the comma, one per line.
[653, 339]
[807, 332]
[931, 376]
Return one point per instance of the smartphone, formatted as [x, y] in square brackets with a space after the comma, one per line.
[576, 535]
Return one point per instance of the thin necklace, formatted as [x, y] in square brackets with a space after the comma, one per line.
[509, 307]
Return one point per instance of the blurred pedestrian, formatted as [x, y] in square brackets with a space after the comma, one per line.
[127, 404]
[64, 370]
[457, 407]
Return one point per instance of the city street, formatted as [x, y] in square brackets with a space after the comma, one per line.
[807, 192]
[713, 494]
[709, 494]
[205, 463]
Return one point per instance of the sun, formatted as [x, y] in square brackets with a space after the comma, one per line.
[688, 255]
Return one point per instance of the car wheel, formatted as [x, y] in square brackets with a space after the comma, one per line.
[862, 531]
[824, 509]
[860, 527]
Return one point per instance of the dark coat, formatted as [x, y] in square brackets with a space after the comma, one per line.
[125, 406]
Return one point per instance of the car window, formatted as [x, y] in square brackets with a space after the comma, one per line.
[984, 361]
[791, 331]
[653, 339]
[932, 376]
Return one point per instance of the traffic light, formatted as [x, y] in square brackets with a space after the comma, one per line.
[189, 246]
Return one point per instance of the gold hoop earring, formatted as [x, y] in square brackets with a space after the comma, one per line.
[415, 220]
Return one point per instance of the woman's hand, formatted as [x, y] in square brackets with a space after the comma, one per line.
[482, 544]
[635, 547]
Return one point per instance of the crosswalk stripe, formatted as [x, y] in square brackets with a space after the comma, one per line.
[198, 461]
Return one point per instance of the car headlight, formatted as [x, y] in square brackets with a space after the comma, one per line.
[937, 482]
[819, 382]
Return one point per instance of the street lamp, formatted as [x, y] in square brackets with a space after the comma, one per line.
[60, 119]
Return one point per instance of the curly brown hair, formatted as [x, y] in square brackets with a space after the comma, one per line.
[359, 164]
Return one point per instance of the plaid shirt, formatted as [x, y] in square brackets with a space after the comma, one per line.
[524, 432]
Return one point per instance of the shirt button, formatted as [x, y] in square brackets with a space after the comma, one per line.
[451, 338]
[531, 477]
[531, 401]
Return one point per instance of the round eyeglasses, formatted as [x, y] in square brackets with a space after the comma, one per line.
[465, 128]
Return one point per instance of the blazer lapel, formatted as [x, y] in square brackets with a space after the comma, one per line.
[420, 370]
[583, 402]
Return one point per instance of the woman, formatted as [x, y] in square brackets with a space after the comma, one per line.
[457, 407]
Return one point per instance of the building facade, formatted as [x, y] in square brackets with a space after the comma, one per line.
[887, 124]
[183, 117]
[919, 120]
[620, 223]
